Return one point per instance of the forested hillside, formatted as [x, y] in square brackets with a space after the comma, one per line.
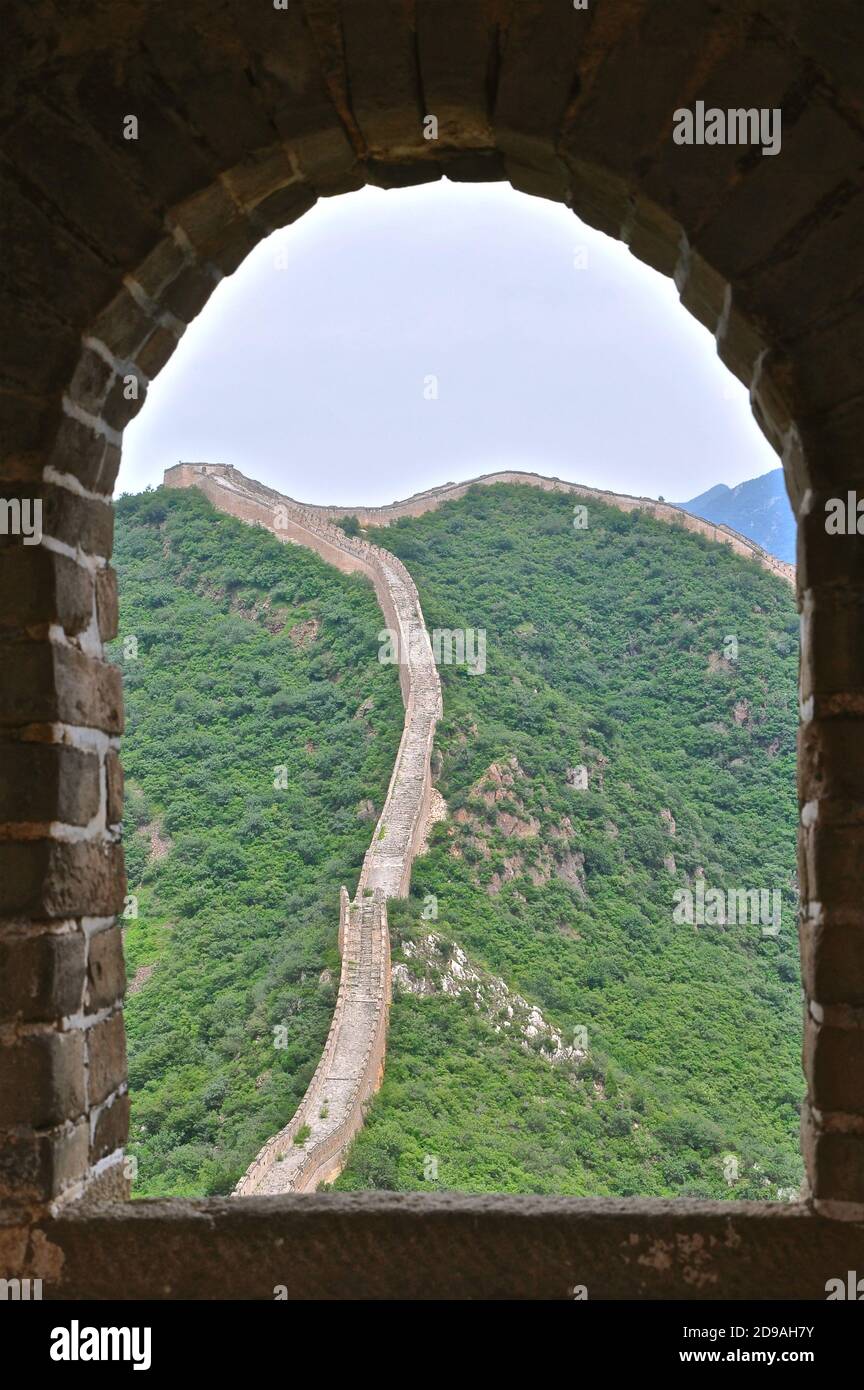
[611, 648]
[246, 663]
[553, 1028]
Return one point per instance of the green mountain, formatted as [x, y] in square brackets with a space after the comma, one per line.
[252, 658]
[554, 1028]
[759, 509]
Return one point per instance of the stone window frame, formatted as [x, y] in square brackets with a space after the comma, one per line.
[142, 248]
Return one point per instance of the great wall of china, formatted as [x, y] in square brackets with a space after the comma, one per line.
[352, 1062]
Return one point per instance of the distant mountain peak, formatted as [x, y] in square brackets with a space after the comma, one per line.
[758, 508]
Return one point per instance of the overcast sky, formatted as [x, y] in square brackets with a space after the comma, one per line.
[554, 350]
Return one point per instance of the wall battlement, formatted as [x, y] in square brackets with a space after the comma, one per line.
[435, 497]
[352, 1062]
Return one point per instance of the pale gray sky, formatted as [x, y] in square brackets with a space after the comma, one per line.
[554, 350]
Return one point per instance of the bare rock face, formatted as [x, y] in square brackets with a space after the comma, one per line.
[303, 634]
[668, 820]
[436, 967]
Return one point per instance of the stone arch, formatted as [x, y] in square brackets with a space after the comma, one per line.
[246, 115]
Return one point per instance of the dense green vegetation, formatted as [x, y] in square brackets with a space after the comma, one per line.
[256, 665]
[605, 649]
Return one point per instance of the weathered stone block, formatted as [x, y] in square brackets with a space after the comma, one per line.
[106, 970]
[835, 1162]
[39, 1167]
[106, 1058]
[41, 976]
[48, 682]
[111, 1128]
[832, 958]
[51, 878]
[107, 608]
[45, 782]
[42, 1080]
[114, 775]
[834, 1067]
[38, 587]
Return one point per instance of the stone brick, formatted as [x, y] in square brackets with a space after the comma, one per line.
[703, 291]
[835, 1162]
[831, 760]
[151, 358]
[781, 191]
[121, 405]
[471, 168]
[50, 878]
[285, 206]
[110, 1184]
[48, 682]
[28, 424]
[832, 959]
[106, 969]
[216, 228]
[654, 237]
[819, 275]
[290, 72]
[824, 370]
[91, 381]
[106, 1058]
[42, 1080]
[833, 860]
[45, 348]
[107, 609]
[45, 782]
[167, 157]
[111, 1128]
[834, 1067]
[41, 976]
[123, 325]
[39, 1167]
[114, 776]
[64, 161]
[193, 65]
[382, 173]
[693, 181]
[380, 62]
[66, 516]
[832, 644]
[38, 587]
[71, 275]
[188, 293]
[79, 450]
[456, 44]
[160, 267]
[538, 76]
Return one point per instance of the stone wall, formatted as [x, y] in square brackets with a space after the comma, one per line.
[663, 511]
[248, 115]
[352, 1062]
